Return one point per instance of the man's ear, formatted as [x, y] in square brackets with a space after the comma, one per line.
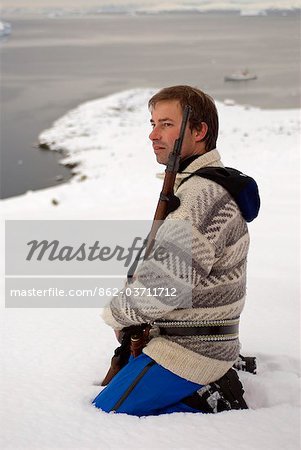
[201, 133]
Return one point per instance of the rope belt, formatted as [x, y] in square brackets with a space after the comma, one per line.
[208, 330]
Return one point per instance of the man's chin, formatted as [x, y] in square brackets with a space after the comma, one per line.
[160, 161]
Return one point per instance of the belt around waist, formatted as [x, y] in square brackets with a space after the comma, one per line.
[207, 330]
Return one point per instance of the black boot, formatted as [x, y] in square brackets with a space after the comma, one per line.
[246, 363]
[222, 395]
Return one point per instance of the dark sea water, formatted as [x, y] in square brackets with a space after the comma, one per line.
[49, 66]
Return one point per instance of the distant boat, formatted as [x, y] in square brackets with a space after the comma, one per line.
[5, 29]
[242, 75]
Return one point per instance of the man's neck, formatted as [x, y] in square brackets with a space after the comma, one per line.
[185, 162]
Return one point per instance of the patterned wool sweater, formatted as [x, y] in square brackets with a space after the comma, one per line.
[207, 269]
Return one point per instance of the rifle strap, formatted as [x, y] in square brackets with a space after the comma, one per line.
[133, 267]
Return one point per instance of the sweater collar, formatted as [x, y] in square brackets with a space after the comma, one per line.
[185, 163]
[195, 162]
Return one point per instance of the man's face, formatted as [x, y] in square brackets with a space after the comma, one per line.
[166, 122]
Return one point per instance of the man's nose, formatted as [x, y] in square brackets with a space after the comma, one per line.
[154, 135]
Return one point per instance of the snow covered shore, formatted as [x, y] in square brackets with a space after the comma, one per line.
[56, 9]
[52, 357]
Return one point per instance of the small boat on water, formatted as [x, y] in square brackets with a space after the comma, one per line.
[242, 75]
[5, 29]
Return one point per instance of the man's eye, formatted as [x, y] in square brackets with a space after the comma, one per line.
[167, 124]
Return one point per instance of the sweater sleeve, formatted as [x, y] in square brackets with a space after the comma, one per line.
[164, 283]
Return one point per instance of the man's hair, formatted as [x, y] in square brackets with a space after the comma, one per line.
[202, 105]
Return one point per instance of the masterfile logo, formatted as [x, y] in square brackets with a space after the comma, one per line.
[85, 263]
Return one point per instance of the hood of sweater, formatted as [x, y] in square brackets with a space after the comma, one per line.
[242, 188]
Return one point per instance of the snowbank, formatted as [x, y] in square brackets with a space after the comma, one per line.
[51, 358]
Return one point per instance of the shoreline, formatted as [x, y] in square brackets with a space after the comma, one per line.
[75, 168]
[162, 15]
[79, 13]
[67, 65]
[92, 161]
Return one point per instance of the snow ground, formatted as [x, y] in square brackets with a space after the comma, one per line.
[52, 359]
